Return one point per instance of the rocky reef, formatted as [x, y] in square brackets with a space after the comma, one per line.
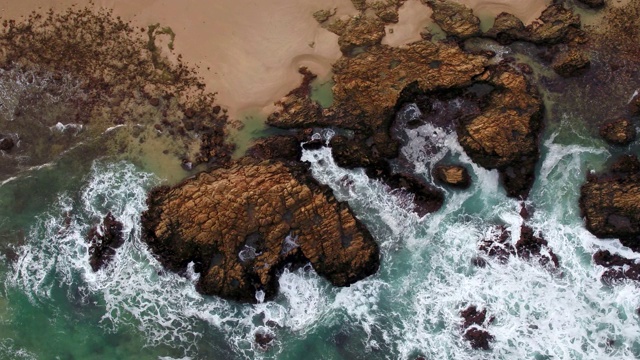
[474, 327]
[104, 239]
[610, 202]
[454, 18]
[528, 246]
[453, 175]
[241, 225]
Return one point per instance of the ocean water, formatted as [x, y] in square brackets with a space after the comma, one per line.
[55, 307]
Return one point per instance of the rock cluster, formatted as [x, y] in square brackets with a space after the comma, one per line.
[619, 268]
[454, 19]
[474, 325]
[610, 202]
[505, 135]
[528, 246]
[618, 132]
[241, 224]
[104, 239]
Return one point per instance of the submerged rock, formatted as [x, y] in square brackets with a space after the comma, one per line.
[610, 202]
[240, 225]
[103, 241]
[426, 197]
[529, 246]
[619, 268]
[454, 18]
[453, 175]
[571, 62]
[505, 135]
[618, 132]
[594, 4]
[473, 327]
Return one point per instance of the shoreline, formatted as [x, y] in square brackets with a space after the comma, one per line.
[252, 61]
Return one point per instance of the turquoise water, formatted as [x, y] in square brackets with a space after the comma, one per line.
[55, 307]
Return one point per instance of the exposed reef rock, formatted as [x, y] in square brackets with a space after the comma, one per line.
[505, 135]
[619, 268]
[242, 224]
[426, 197]
[454, 19]
[555, 25]
[474, 327]
[618, 132]
[453, 175]
[283, 147]
[571, 62]
[104, 239]
[610, 202]
[357, 32]
[594, 4]
[529, 246]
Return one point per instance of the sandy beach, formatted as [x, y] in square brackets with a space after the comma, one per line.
[249, 51]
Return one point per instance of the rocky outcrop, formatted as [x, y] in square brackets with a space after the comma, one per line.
[618, 132]
[357, 32]
[610, 202]
[529, 247]
[571, 62]
[241, 224]
[505, 135]
[285, 147]
[454, 18]
[426, 198]
[594, 4]
[452, 175]
[555, 25]
[104, 239]
[474, 327]
[619, 267]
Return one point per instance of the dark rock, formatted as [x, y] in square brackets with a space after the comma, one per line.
[472, 326]
[528, 247]
[154, 101]
[618, 132]
[620, 268]
[571, 62]
[103, 241]
[453, 175]
[276, 147]
[454, 18]
[427, 198]
[242, 224]
[264, 339]
[610, 202]
[634, 105]
[6, 143]
[594, 4]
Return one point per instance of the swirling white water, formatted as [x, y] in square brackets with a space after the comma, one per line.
[410, 308]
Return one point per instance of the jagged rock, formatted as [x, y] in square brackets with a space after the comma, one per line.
[454, 18]
[360, 31]
[453, 175]
[619, 267]
[241, 224]
[571, 62]
[264, 339]
[610, 202]
[6, 143]
[555, 25]
[323, 15]
[505, 135]
[473, 327]
[618, 132]
[594, 4]
[276, 147]
[427, 198]
[103, 241]
[529, 246]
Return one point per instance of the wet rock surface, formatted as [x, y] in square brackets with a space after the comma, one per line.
[556, 24]
[505, 135]
[104, 239]
[619, 267]
[242, 224]
[453, 175]
[618, 132]
[529, 246]
[454, 19]
[571, 62]
[610, 202]
[474, 327]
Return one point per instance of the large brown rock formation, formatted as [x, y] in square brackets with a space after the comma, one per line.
[242, 224]
[454, 18]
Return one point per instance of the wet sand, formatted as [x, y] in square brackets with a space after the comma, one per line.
[249, 51]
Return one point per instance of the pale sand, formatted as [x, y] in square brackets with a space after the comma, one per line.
[249, 51]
